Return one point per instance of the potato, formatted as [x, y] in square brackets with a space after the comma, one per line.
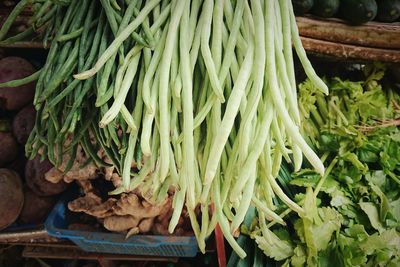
[23, 123]
[34, 177]
[36, 208]
[18, 165]
[11, 197]
[14, 98]
[8, 148]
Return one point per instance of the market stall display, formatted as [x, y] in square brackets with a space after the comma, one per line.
[181, 118]
[210, 81]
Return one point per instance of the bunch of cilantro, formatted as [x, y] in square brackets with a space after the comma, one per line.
[352, 214]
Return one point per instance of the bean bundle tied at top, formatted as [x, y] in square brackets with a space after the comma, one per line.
[198, 96]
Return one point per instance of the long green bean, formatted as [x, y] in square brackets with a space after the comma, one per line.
[118, 41]
[193, 97]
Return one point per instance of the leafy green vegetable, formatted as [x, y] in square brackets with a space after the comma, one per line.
[316, 227]
[274, 247]
[359, 128]
[373, 215]
[354, 220]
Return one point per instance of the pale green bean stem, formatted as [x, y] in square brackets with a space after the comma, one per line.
[149, 117]
[278, 137]
[232, 108]
[212, 224]
[255, 153]
[276, 161]
[120, 99]
[271, 215]
[248, 18]
[291, 97]
[268, 171]
[193, 19]
[163, 88]
[121, 71]
[245, 201]
[216, 40]
[187, 83]
[287, 43]
[291, 128]
[149, 165]
[256, 89]
[232, 40]
[230, 18]
[278, 191]
[317, 81]
[223, 222]
[229, 171]
[173, 171]
[195, 47]
[216, 49]
[206, 53]
[175, 65]
[196, 229]
[198, 183]
[126, 171]
[179, 199]
[164, 16]
[155, 60]
[205, 221]
[177, 87]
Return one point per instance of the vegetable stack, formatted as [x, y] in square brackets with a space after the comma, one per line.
[197, 96]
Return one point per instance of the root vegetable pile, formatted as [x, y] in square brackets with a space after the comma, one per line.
[197, 96]
[131, 213]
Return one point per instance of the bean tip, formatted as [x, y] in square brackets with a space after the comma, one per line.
[171, 228]
[83, 75]
[324, 89]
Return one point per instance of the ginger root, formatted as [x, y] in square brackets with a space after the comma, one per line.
[131, 213]
[130, 204]
[90, 171]
[120, 223]
[145, 225]
[92, 204]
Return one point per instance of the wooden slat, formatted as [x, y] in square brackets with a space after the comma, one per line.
[76, 253]
[26, 236]
[372, 34]
[345, 51]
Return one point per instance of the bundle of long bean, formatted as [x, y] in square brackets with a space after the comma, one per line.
[201, 95]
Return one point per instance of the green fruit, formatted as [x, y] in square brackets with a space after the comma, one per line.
[358, 11]
[325, 8]
[301, 7]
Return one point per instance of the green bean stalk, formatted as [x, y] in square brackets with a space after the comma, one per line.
[195, 96]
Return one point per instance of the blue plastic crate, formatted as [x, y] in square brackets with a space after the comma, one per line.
[150, 245]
